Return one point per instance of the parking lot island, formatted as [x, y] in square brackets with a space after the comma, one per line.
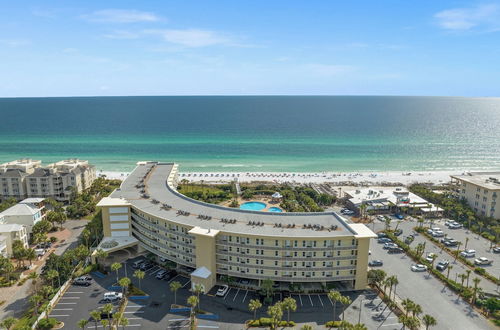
[316, 250]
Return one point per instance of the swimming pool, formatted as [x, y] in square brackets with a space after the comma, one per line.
[253, 206]
[275, 209]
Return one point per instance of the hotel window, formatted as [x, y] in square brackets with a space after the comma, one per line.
[276, 253]
[294, 273]
[275, 263]
[295, 263]
[295, 243]
[276, 243]
[304, 254]
[339, 242]
[303, 243]
[338, 253]
[262, 271]
[295, 254]
[276, 273]
[338, 263]
[337, 272]
[256, 271]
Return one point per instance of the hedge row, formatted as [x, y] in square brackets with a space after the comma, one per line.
[266, 322]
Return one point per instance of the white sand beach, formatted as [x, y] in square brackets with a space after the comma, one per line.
[340, 178]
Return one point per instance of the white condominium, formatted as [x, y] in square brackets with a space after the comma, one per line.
[285, 247]
[27, 178]
[481, 190]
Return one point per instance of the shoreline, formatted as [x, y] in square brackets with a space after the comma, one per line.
[366, 178]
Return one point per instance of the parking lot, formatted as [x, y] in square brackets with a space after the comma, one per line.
[450, 311]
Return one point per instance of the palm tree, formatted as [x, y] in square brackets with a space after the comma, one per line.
[458, 250]
[462, 278]
[104, 323]
[306, 327]
[253, 306]
[193, 302]
[96, 316]
[334, 296]
[9, 322]
[123, 322]
[345, 301]
[82, 323]
[407, 304]
[289, 304]
[275, 312]
[198, 289]
[450, 267]
[466, 241]
[33, 276]
[100, 254]
[387, 223]
[393, 281]
[30, 255]
[124, 282]
[51, 275]
[468, 271]
[107, 309]
[35, 300]
[139, 274]
[416, 310]
[115, 267]
[476, 281]
[174, 286]
[429, 321]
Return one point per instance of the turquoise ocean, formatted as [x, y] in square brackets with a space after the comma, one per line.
[257, 133]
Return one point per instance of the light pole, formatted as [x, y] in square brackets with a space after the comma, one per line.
[360, 308]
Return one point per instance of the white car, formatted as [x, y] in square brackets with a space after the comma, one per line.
[468, 253]
[381, 217]
[449, 222]
[113, 296]
[483, 261]
[430, 257]
[222, 291]
[418, 268]
[437, 233]
[455, 225]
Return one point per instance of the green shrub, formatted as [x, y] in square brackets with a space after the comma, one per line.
[46, 324]
[333, 324]
[480, 270]
[53, 239]
[266, 322]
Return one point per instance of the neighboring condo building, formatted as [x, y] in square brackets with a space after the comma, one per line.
[481, 190]
[214, 240]
[27, 178]
[27, 213]
[10, 233]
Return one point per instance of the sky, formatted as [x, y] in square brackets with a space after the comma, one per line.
[249, 47]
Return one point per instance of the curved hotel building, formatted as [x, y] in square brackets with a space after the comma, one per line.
[214, 240]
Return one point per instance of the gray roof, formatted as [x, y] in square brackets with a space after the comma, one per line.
[159, 190]
[13, 173]
[40, 172]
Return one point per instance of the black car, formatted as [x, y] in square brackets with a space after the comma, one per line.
[375, 263]
[146, 266]
[381, 235]
[496, 249]
[442, 265]
[105, 316]
[398, 232]
[395, 250]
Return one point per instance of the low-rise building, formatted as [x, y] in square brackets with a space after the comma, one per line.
[309, 248]
[481, 190]
[27, 213]
[27, 178]
[388, 199]
[10, 233]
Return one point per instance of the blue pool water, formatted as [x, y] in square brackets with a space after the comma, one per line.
[275, 209]
[253, 206]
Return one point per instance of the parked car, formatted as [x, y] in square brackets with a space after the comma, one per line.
[433, 229]
[418, 268]
[138, 263]
[387, 246]
[222, 291]
[398, 232]
[146, 266]
[381, 235]
[455, 225]
[384, 240]
[496, 249]
[81, 282]
[437, 233]
[84, 278]
[395, 250]
[468, 253]
[375, 263]
[112, 296]
[450, 242]
[380, 217]
[105, 316]
[40, 252]
[430, 257]
[449, 222]
[399, 216]
[482, 261]
[161, 274]
[442, 265]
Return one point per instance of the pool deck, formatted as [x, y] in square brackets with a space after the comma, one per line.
[267, 201]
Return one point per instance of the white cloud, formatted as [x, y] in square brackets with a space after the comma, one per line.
[487, 16]
[121, 35]
[121, 16]
[192, 37]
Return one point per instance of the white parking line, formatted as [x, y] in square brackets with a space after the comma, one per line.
[245, 297]
[58, 315]
[331, 302]
[208, 326]
[310, 299]
[227, 294]
[176, 320]
[133, 325]
[154, 272]
[186, 283]
[138, 312]
[300, 298]
[134, 306]
[70, 297]
[390, 325]
[74, 292]
[62, 309]
[66, 303]
[236, 294]
[134, 318]
[173, 278]
[321, 301]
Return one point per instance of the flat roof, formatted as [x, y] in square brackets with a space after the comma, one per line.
[165, 202]
[109, 201]
[488, 180]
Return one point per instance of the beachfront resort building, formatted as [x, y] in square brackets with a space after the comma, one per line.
[390, 200]
[28, 178]
[212, 240]
[27, 213]
[481, 190]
